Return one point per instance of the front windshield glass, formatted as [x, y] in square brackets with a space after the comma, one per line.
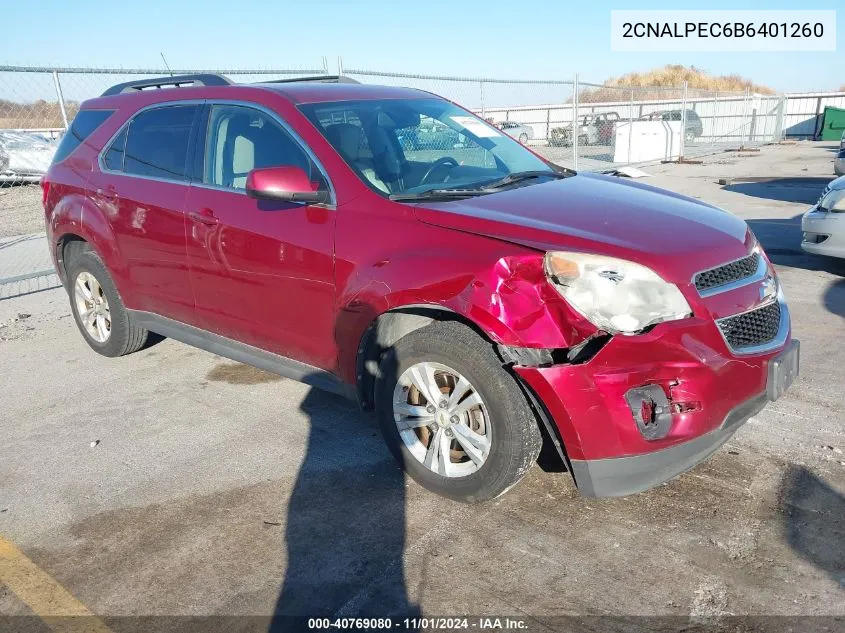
[412, 146]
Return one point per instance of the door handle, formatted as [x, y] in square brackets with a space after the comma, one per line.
[206, 216]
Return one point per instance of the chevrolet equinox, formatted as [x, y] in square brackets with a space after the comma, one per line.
[480, 299]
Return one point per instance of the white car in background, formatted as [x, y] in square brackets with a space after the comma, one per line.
[823, 225]
[24, 157]
[522, 133]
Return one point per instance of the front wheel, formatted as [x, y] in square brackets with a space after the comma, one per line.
[523, 138]
[453, 416]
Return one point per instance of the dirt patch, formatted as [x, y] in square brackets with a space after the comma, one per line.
[240, 374]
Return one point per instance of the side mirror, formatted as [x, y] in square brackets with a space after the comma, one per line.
[284, 184]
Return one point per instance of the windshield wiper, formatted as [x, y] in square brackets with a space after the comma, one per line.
[445, 194]
[524, 175]
[483, 188]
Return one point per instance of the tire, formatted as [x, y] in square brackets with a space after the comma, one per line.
[523, 138]
[689, 137]
[508, 421]
[583, 140]
[124, 337]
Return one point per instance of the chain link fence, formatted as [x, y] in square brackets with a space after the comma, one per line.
[581, 125]
[36, 107]
[614, 125]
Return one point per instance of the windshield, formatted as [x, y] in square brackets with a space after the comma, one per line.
[403, 147]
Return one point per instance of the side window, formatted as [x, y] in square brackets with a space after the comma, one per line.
[241, 139]
[114, 155]
[82, 127]
[157, 142]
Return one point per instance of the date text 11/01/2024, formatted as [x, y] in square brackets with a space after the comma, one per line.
[422, 623]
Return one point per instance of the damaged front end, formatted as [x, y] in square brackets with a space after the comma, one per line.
[637, 400]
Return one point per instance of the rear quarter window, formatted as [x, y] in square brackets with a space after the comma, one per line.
[82, 127]
[157, 142]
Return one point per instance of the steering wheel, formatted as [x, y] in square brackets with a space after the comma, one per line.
[445, 161]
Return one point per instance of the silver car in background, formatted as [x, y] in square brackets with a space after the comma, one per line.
[24, 156]
[839, 161]
[521, 132]
[823, 226]
[588, 133]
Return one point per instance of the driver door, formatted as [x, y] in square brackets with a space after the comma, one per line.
[262, 271]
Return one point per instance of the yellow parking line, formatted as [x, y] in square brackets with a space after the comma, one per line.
[43, 595]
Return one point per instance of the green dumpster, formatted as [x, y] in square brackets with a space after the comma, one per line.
[833, 123]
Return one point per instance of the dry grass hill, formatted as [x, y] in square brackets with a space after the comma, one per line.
[669, 76]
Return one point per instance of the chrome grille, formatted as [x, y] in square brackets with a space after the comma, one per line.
[727, 273]
[756, 327]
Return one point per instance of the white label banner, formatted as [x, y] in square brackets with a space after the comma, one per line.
[712, 30]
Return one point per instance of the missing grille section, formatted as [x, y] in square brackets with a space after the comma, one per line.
[756, 327]
[722, 275]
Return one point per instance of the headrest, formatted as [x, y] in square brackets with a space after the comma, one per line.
[346, 138]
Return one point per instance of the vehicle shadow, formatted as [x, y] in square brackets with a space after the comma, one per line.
[834, 298]
[814, 521]
[345, 531]
[781, 238]
[803, 190]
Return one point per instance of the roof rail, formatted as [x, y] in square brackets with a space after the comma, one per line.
[167, 82]
[321, 79]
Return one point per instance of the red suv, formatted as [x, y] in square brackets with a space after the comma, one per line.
[480, 299]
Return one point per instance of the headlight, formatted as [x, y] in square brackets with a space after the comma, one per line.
[833, 201]
[615, 295]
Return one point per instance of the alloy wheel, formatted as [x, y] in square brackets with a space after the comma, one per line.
[92, 306]
[442, 419]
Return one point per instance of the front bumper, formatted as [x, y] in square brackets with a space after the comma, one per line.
[823, 233]
[710, 392]
[620, 476]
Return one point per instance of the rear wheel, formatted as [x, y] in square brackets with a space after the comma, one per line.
[97, 308]
[523, 138]
[453, 416]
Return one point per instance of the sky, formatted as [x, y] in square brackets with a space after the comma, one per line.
[528, 39]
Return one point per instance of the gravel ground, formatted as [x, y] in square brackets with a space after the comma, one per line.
[173, 481]
[21, 212]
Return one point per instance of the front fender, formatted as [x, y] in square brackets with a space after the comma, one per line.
[506, 296]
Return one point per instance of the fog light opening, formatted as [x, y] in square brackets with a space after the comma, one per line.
[814, 238]
[651, 411]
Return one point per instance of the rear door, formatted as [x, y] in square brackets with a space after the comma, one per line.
[262, 271]
[142, 188]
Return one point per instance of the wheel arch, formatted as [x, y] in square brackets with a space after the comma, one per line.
[387, 328]
[61, 247]
[390, 326]
[77, 218]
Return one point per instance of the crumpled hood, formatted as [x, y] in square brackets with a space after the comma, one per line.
[674, 235]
